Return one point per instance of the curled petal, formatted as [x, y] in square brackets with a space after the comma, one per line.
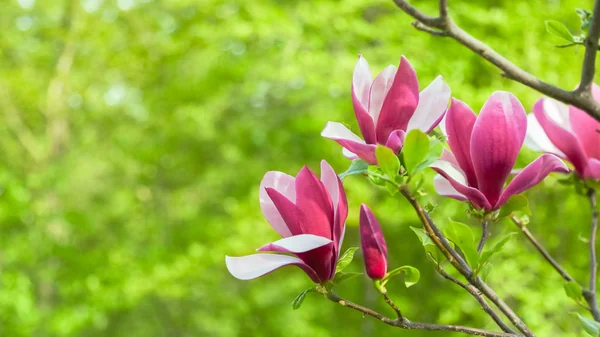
[560, 135]
[457, 179]
[350, 141]
[460, 120]
[593, 169]
[532, 175]
[400, 102]
[373, 244]
[361, 86]
[444, 187]
[296, 244]
[497, 137]
[253, 266]
[433, 101]
[537, 140]
[284, 184]
[396, 140]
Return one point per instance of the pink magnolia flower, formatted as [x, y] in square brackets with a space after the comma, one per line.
[373, 244]
[484, 151]
[310, 214]
[387, 108]
[568, 132]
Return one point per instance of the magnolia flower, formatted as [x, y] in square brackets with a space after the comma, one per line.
[568, 132]
[387, 108]
[484, 151]
[373, 244]
[310, 214]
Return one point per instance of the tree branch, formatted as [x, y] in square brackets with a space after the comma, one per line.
[446, 27]
[479, 297]
[589, 59]
[563, 273]
[404, 323]
[392, 305]
[485, 232]
[590, 295]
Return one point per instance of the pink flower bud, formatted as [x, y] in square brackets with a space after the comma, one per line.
[373, 244]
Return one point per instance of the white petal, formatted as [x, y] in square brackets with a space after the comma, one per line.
[433, 101]
[443, 187]
[330, 180]
[451, 170]
[335, 130]
[348, 154]
[536, 138]
[253, 266]
[379, 89]
[284, 184]
[558, 112]
[361, 80]
[301, 243]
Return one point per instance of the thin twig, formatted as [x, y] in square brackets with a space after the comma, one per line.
[393, 305]
[404, 323]
[447, 27]
[590, 295]
[485, 232]
[563, 273]
[479, 297]
[591, 48]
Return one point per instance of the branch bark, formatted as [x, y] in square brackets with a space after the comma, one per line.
[591, 48]
[444, 26]
[590, 295]
[404, 323]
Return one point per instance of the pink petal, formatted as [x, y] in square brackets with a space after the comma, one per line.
[400, 102]
[593, 169]
[373, 244]
[314, 203]
[532, 175]
[497, 137]
[348, 154]
[396, 140]
[380, 88]
[361, 85]
[536, 138]
[284, 184]
[433, 102]
[335, 188]
[444, 187]
[561, 137]
[296, 244]
[460, 120]
[350, 141]
[253, 266]
[587, 130]
[457, 179]
[287, 210]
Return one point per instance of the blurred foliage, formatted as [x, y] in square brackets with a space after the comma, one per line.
[135, 134]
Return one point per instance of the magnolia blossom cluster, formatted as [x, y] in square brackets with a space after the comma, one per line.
[310, 212]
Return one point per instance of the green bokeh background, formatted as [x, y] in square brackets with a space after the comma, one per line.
[134, 134]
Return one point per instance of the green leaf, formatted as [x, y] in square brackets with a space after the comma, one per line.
[411, 275]
[516, 203]
[485, 271]
[432, 251]
[345, 260]
[436, 148]
[487, 254]
[358, 166]
[559, 30]
[297, 302]
[462, 236]
[573, 290]
[590, 326]
[374, 172]
[341, 277]
[388, 161]
[585, 16]
[415, 149]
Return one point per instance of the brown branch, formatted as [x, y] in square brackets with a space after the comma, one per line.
[485, 233]
[393, 305]
[590, 295]
[563, 273]
[479, 297]
[404, 323]
[589, 59]
[459, 263]
[446, 27]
